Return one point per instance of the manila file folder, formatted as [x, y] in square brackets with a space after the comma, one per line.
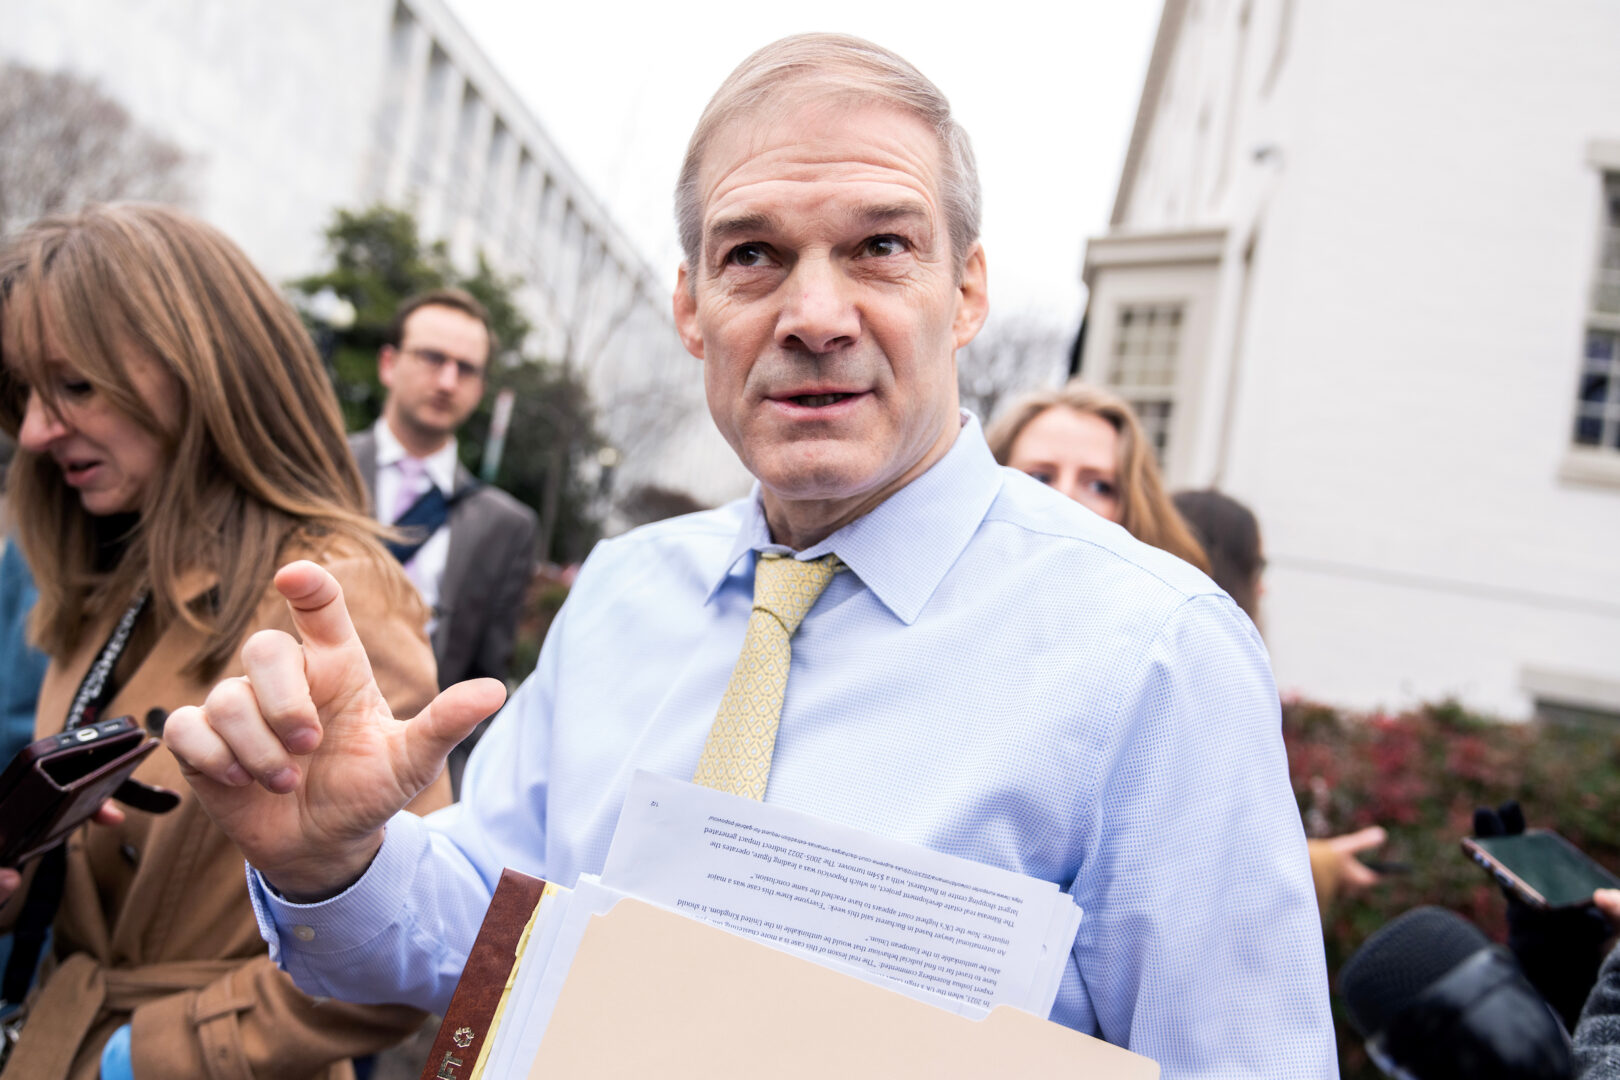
[654, 993]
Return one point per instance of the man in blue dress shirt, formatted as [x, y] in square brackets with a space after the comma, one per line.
[999, 674]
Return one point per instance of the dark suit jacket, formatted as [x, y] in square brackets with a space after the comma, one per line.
[486, 573]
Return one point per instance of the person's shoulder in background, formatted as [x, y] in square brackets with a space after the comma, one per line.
[503, 509]
[22, 667]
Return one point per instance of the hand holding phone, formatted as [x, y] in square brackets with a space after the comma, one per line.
[1555, 933]
[57, 783]
[1540, 868]
[106, 814]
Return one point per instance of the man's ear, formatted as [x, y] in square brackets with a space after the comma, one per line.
[973, 298]
[387, 357]
[685, 304]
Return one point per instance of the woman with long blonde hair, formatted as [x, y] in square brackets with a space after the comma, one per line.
[178, 440]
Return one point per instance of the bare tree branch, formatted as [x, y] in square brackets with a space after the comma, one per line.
[1013, 355]
[590, 306]
[63, 143]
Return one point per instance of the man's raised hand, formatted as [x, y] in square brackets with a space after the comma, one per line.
[300, 761]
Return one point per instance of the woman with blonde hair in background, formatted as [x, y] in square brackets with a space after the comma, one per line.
[178, 440]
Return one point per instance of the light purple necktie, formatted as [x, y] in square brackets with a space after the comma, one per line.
[412, 483]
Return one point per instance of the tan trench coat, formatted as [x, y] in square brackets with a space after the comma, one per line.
[156, 929]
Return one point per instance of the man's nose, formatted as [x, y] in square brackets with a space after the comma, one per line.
[40, 427]
[819, 315]
[448, 375]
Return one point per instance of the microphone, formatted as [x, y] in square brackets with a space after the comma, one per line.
[1435, 1000]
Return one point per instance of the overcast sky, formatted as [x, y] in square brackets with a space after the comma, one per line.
[1046, 90]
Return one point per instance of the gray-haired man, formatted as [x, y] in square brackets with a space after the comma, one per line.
[982, 666]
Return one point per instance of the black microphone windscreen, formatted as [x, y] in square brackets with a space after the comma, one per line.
[1399, 961]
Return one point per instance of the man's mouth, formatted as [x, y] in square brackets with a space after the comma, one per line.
[818, 401]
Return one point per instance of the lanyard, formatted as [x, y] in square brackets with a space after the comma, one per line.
[98, 686]
[45, 895]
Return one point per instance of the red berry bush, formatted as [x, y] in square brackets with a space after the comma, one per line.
[1420, 774]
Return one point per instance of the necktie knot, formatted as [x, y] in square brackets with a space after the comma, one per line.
[788, 588]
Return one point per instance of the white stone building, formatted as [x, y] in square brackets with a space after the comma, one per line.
[294, 107]
[1363, 272]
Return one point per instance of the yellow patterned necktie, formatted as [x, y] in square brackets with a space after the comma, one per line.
[737, 757]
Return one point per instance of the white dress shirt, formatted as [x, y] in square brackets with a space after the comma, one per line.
[1001, 675]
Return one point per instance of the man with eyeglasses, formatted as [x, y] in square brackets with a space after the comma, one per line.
[469, 547]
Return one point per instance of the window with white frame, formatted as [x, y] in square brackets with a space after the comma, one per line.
[1597, 408]
[1147, 351]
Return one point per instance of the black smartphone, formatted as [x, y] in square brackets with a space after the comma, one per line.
[1541, 868]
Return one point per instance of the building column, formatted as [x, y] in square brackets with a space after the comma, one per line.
[477, 124]
[499, 189]
[436, 160]
[409, 74]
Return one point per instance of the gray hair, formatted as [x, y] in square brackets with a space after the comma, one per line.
[805, 67]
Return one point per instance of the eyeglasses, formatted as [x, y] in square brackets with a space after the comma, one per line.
[433, 358]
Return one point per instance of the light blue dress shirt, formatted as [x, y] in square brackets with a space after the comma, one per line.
[1000, 674]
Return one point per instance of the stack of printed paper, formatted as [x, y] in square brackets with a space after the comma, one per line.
[701, 924]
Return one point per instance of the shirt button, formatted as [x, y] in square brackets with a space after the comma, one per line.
[304, 933]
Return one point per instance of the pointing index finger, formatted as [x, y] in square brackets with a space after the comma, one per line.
[317, 605]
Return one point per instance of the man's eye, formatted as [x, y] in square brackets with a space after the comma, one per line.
[76, 388]
[748, 255]
[883, 246]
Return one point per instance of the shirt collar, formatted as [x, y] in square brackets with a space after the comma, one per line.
[440, 465]
[903, 547]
